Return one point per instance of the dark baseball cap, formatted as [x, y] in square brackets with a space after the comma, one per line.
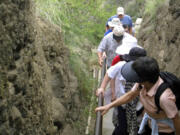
[129, 73]
[135, 53]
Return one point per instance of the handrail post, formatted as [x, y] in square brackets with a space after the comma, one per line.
[98, 130]
[98, 124]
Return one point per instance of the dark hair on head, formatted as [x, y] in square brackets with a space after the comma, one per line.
[125, 26]
[147, 69]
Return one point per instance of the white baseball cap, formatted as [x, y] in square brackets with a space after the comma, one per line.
[114, 22]
[120, 11]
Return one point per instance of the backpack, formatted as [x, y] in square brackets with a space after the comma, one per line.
[172, 82]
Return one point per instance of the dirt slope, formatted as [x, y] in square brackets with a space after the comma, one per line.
[161, 36]
[38, 92]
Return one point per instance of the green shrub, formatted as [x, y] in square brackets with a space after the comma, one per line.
[77, 16]
[135, 9]
[151, 7]
[85, 80]
[80, 21]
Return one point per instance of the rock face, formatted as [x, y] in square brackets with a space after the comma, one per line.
[38, 93]
[161, 38]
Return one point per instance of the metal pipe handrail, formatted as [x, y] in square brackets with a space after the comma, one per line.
[98, 124]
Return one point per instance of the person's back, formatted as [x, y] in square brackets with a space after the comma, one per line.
[166, 100]
[109, 44]
[126, 114]
[124, 18]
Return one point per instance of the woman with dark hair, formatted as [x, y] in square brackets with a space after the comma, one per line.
[145, 71]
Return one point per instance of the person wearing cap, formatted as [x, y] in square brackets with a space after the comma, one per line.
[145, 71]
[129, 53]
[114, 22]
[137, 25]
[111, 41]
[109, 44]
[123, 50]
[125, 19]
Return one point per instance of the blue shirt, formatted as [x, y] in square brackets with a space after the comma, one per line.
[107, 32]
[126, 20]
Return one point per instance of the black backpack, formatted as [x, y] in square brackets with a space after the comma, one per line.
[172, 82]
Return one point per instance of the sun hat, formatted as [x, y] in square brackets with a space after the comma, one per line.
[118, 31]
[125, 48]
[134, 53]
[114, 22]
[120, 11]
[129, 73]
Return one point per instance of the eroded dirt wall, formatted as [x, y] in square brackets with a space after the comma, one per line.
[38, 93]
[24, 107]
[161, 37]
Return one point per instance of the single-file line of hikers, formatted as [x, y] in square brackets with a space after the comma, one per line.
[145, 100]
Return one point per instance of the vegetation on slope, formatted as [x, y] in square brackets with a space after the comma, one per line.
[83, 25]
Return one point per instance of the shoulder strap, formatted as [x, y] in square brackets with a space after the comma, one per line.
[159, 92]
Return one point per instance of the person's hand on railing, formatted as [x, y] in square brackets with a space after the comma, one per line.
[99, 91]
[103, 109]
[100, 61]
[101, 58]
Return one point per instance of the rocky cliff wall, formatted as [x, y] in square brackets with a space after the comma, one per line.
[38, 93]
[160, 36]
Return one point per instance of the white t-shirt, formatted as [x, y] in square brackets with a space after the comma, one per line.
[115, 72]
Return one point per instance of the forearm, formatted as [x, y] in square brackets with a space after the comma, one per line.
[105, 81]
[124, 99]
[112, 85]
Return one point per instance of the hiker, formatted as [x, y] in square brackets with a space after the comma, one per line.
[114, 22]
[145, 71]
[123, 50]
[110, 42]
[137, 25]
[126, 28]
[127, 118]
[125, 19]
